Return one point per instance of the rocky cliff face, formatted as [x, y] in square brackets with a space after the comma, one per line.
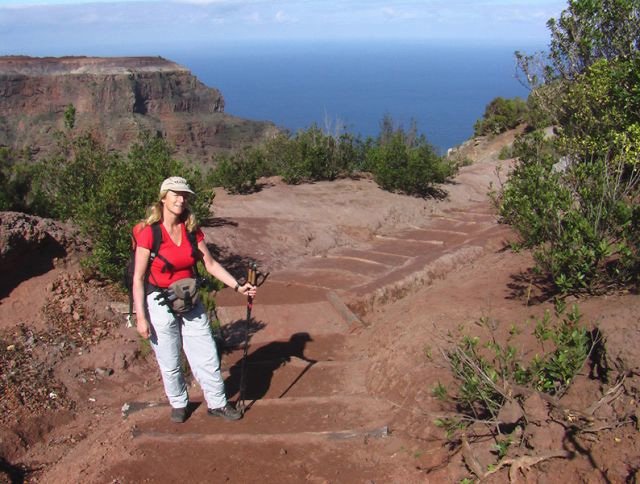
[116, 99]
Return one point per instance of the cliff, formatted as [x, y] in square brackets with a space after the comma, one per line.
[116, 99]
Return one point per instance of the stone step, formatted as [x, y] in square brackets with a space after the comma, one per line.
[268, 379]
[276, 290]
[275, 416]
[409, 248]
[362, 267]
[304, 346]
[461, 223]
[389, 260]
[292, 437]
[422, 270]
[331, 278]
[286, 457]
[278, 322]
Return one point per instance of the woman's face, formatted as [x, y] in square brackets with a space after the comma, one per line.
[175, 202]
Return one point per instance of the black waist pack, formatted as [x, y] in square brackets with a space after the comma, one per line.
[182, 296]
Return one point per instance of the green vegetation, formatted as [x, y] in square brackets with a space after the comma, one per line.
[238, 173]
[309, 155]
[70, 117]
[573, 197]
[501, 115]
[552, 373]
[105, 193]
[502, 446]
[488, 373]
[15, 179]
[400, 160]
[439, 391]
[498, 393]
[405, 162]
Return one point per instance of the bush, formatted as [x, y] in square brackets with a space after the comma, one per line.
[573, 201]
[488, 373]
[553, 372]
[239, 173]
[534, 199]
[16, 180]
[406, 163]
[311, 155]
[106, 194]
[588, 88]
[501, 115]
[400, 161]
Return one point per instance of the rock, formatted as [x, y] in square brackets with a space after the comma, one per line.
[27, 239]
[116, 99]
[535, 408]
[510, 413]
[122, 359]
[103, 372]
[549, 436]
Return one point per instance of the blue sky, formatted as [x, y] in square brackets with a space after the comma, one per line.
[73, 27]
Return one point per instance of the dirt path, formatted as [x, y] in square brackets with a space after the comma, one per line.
[366, 288]
[311, 414]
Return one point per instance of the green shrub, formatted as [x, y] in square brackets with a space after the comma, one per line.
[487, 373]
[574, 205]
[400, 161]
[479, 394]
[562, 217]
[534, 198]
[506, 152]
[209, 286]
[106, 194]
[538, 114]
[6, 163]
[588, 88]
[553, 372]
[403, 162]
[311, 155]
[238, 173]
[501, 115]
[70, 117]
[16, 180]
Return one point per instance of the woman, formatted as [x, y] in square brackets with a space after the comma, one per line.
[169, 332]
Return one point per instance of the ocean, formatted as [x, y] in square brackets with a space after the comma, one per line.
[352, 86]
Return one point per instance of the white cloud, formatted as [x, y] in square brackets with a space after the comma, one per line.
[393, 14]
[255, 18]
[83, 23]
[201, 2]
[282, 18]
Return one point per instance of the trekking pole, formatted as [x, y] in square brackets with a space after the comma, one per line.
[252, 276]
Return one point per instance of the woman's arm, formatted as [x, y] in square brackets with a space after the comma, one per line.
[139, 272]
[220, 273]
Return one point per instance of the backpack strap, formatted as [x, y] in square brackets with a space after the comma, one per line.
[168, 266]
[156, 230]
[194, 245]
[156, 234]
[164, 295]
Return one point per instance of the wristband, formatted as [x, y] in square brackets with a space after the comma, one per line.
[237, 287]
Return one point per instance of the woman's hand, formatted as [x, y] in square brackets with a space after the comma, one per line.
[247, 290]
[143, 328]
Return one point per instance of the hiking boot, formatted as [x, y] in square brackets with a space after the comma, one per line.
[228, 412]
[179, 415]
